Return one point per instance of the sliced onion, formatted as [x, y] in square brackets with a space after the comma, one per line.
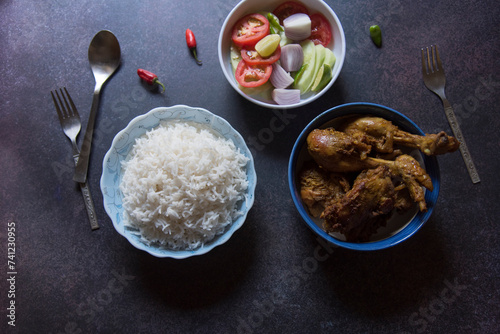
[292, 57]
[286, 96]
[297, 26]
[279, 77]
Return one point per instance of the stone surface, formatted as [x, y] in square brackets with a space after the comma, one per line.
[273, 276]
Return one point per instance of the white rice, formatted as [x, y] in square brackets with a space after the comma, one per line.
[181, 185]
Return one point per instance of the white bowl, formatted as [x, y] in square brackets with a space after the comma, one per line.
[337, 45]
[122, 144]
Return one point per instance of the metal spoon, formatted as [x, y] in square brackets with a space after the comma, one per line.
[104, 59]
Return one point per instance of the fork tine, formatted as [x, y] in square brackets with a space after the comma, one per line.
[64, 109]
[430, 68]
[66, 104]
[73, 107]
[433, 58]
[56, 104]
[439, 66]
[424, 67]
[431, 62]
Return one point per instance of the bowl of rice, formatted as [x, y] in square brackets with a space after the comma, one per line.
[178, 181]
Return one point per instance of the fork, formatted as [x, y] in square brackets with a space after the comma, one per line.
[435, 80]
[71, 125]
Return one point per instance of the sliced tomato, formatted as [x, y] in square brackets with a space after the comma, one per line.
[321, 33]
[289, 8]
[250, 29]
[252, 75]
[252, 57]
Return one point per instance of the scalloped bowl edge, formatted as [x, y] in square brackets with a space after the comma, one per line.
[111, 207]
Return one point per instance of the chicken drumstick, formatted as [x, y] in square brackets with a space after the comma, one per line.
[339, 152]
[382, 135]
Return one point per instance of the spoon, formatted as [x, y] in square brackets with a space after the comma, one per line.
[104, 59]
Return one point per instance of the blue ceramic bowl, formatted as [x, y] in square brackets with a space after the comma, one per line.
[399, 227]
[122, 144]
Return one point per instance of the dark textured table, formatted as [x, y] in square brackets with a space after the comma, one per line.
[273, 276]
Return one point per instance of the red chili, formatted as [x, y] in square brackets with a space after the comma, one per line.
[191, 43]
[150, 78]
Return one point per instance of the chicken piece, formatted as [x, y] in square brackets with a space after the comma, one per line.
[364, 208]
[374, 131]
[383, 135]
[389, 156]
[319, 187]
[338, 152]
[403, 200]
[414, 177]
[430, 144]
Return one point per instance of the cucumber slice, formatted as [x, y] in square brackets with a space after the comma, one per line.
[310, 73]
[320, 60]
[235, 57]
[304, 81]
[322, 78]
[325, 72]
[284, 40]
[298, 74]
[329, 58]
[308, 50]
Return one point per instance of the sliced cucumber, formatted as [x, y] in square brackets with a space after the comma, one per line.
[320, 60]
[322, 78]
[284, 40]
[304, 81]
[309, 75]
[308, 50]
[297, 75]
[263, 91]
[235, 57]
[329, 58]
[324, 75]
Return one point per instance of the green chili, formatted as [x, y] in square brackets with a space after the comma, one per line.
[274, 24]
[376, 35]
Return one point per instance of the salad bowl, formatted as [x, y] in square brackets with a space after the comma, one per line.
[264, 97]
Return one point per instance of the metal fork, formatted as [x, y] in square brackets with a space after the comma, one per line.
[71, 125]
[435, 80]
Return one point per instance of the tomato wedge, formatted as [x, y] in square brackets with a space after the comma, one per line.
[252, 57]
[250, 29]
[289, 8]
[252, 75]
[321, 33]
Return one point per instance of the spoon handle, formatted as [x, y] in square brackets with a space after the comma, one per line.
[83, 162]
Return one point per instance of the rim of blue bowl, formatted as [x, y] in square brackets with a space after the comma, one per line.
[403, 122]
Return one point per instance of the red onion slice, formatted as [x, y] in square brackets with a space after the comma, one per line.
[286, 96]
[292, 57]
[279, 77]
[297, 26]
